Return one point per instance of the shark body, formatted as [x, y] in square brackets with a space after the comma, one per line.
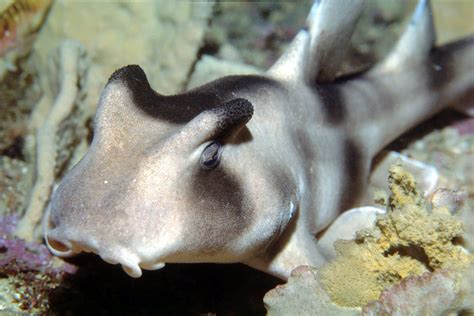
[249, 168]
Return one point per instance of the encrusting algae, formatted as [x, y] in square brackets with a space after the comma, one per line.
[411, 238]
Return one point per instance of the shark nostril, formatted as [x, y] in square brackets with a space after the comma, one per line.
[57, 245]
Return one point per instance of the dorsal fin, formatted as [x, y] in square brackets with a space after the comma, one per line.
[416, 42]
[316, 52]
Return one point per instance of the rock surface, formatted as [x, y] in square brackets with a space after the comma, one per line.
[304, 294]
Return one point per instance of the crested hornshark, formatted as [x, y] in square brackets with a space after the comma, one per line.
[250, 168]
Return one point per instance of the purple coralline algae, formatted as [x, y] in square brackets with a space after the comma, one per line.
[29, 267]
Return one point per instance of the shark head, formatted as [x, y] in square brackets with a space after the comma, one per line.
[169, 179]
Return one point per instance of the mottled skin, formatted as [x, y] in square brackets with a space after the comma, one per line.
[296, 152]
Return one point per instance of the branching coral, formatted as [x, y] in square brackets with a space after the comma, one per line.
[71, 56]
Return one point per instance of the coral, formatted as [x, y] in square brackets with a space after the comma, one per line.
[451, 151]
[16, 95]
[427, 176]
[259, 30]
[19, 22]
[71, 56]
[17, 255]
[410, 239]
[303, 295]
[31, 270]
[15, 182]
[161, 36]
[364, 273]
[438, 292]
[410, 262]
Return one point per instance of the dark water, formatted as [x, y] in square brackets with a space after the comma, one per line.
[177, 289]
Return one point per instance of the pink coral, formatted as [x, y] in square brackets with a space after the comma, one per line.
[31, 270]
[428, 294]
[17, 255]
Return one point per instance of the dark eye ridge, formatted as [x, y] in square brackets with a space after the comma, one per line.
[211, 155]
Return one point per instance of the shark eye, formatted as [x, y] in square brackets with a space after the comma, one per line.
[211, 155]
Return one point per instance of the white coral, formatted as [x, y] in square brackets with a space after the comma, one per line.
[71, 68]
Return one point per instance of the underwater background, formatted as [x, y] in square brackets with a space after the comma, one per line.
[43, 133]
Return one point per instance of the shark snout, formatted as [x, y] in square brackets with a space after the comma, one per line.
[57, 246]
[67, 247]
[64, 242]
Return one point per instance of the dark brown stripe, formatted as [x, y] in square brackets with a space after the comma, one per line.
[183, 107]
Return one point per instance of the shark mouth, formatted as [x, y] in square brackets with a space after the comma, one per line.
[129, 261]
[68, 246]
